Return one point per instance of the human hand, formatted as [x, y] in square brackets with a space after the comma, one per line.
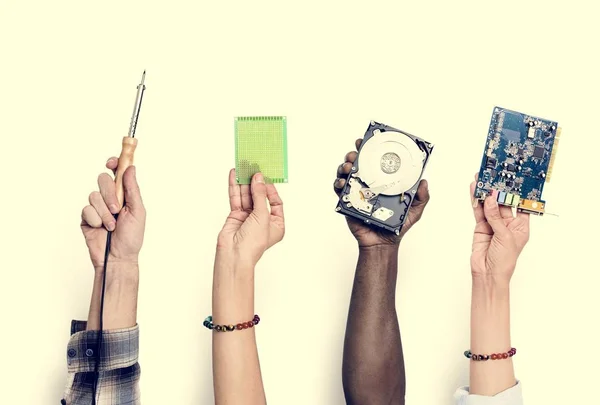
[366, 235]
[498, 239]
[98, 217]
[251, 227]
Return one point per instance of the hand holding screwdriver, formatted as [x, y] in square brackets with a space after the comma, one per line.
[117, 200]
[99, 216]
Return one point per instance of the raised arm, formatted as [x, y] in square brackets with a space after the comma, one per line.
[250, 229]
[498, 240]
[117, 380]
[373, 363]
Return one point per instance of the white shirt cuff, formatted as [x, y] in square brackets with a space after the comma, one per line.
[512, 396]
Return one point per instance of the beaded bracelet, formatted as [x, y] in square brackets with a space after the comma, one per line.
[208, 323]
[495, 356]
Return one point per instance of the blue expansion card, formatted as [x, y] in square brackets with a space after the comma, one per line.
[517, 160]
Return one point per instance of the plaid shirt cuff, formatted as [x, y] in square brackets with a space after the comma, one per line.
[119, 348]
[119, 371]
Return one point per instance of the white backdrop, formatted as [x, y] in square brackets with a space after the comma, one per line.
[436, 69]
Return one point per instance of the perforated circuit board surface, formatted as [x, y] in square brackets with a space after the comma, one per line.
[261, 146]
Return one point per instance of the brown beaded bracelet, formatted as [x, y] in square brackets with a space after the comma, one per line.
[495, 356]
[208, 323]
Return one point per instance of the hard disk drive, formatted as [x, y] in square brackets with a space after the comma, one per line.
[383, 182]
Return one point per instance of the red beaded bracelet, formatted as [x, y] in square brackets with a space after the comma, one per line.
[495, 356]
[208, 323]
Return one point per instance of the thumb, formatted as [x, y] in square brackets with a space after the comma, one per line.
[133, 198]
[491, 210]
[259, 196]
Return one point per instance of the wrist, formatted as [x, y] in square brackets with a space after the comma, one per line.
[385, 250]
[229, 266]
[490, 306]
[490, 285]
[117, 269]
[233, 291]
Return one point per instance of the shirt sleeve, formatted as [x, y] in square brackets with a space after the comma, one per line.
[118, 368]
[512, 396]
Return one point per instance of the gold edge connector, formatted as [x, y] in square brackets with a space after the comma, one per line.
[553, 155]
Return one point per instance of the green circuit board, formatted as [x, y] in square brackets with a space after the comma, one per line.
[261, 146]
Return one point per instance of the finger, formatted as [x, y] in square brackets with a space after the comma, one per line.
[422, 195]
[235, 196]
[133, 196]
[109, 192]
[344, 169]
[258, 189]
[246, 197]
[112, 164]
[350, 157]
[338, 185]
[506, 212]
[477, 207]
[523, 216]
[357, 143]
[90, 217]
[275, 201]
[102, 210]
[491, 211]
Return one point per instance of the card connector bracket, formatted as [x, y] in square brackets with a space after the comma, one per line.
[553, 155]
[532, 207]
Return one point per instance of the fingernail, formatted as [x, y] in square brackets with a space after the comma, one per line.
[109, 160]
[111, 226]
[259, 178]
[113, 208]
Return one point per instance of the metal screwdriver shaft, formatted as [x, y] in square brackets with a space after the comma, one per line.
[129, 142]
[137, 106]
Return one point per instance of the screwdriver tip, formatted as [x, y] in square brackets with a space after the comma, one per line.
[143, 76]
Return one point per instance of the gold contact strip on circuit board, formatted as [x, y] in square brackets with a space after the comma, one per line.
[553, 155]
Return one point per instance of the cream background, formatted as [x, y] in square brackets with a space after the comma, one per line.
[67, 82]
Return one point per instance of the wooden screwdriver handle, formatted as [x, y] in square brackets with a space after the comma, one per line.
[125, 160]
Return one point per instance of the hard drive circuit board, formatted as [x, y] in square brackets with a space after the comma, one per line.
[517, 161]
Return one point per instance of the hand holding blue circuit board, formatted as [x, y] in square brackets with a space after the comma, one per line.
[519, 154]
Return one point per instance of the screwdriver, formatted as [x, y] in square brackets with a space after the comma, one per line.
[129, 143]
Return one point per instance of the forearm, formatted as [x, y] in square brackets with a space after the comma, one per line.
[120, 298]
[490, 333]
[236, 369]
[373, 364]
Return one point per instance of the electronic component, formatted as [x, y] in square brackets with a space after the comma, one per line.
[261, 146]
[383, 181]
[538, 152]
[523, 149]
